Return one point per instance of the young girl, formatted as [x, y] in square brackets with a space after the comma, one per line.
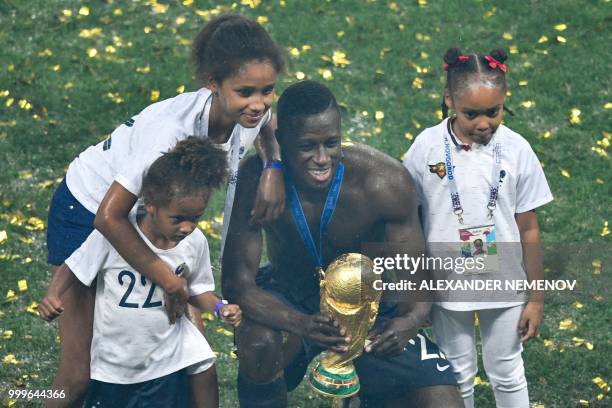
[238, 63]
[138, 357]
[479, 182]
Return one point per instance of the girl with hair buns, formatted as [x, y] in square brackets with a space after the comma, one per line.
[479, 182]
[138, 357]
[237, 64]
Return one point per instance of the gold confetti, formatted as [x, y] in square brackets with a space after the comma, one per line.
[422, 3]
[543, 39]
[578, 305]
[596, 264]
[208, 316]
[422, 37]
[10, 359]
[180, 89]
[561, 27]
[187, 3]
[10, 296]
[340, 34]
[45, 53]
[300, 75]
[9, 102]
[22, 285]
[513, 49]
[67, 13]
[159, 8]
[339, 59]
[143, 70]
[605, 231]
[564, 172]
[294, 52]
[575, 116]
[549, 344]
[439, 114]
[33, 308]
[326, 74]
[567, 324]
[306, 48]
[262, 19]
[154, 95]
[608, 105]
[84, 11]
[417, 83]
[3, 237]
[147, 29]
[251, 3]
[528, 104]
[110, 49]
[584, 403]
[561, 39]
[480, 381]
[401, 27]
[577, 341]
[224, 332]
[507, 36]
[523, 83]
[393, 6]
[490, 13]
[56, 68]
[547, 134]
[589, 346]
[4, 93]
[90, 33]
[117, 12]
[92, 52]
[379, 115]
[7, 334]
[35, 224]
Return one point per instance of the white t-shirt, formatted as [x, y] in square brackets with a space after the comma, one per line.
[523, 188]
[132, 338]
[129, 151]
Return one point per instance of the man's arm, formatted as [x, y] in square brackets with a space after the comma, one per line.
[240, 265]
[403, 235]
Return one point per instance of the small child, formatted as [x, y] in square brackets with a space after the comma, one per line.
[136, 354]
[479, 182]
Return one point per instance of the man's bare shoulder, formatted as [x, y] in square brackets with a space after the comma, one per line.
[373, 168]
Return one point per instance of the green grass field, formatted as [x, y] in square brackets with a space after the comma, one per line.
[71, 71]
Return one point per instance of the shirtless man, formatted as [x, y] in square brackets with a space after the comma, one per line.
[282, 329]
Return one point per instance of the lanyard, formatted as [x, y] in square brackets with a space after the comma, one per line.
[326, 215]
[493, 191]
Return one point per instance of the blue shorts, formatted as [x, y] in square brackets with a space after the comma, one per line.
[171, 390]
[69, 225]
[422, 364]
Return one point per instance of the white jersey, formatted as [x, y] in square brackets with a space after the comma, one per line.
[522, 188]
[132, 338]
[129, 151]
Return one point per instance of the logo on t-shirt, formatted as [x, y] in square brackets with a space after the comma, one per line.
[438, 168]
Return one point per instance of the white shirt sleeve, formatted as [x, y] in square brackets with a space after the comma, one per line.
[90, 258]
[149, 142]
[202, 279]
[532, 189]
[414, 162]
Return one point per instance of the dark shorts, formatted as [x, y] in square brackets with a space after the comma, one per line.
[421, 365]
[171, 390]
[69, 225]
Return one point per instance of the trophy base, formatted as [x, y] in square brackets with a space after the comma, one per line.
[340, 385]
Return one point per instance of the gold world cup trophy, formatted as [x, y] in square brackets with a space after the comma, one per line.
[347, 295]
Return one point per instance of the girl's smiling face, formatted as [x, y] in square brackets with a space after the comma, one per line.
[245, 98]
[479, 111]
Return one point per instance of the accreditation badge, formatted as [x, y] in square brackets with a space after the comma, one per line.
[480, 244]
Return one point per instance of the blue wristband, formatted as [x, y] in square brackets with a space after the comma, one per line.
[274, 164]
[218, 306]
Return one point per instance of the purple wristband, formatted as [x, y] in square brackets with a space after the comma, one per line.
[218, 306]
[274, 164]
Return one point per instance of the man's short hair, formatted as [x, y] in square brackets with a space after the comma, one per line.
[301, 100]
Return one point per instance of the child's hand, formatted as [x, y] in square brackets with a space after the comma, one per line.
[231, 314]
[50, 307]
[530, 320]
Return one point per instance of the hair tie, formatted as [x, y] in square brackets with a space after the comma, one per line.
[462, 59]
[493, 63]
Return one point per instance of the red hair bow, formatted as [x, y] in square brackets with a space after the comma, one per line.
[493, 63]
[461, 60]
